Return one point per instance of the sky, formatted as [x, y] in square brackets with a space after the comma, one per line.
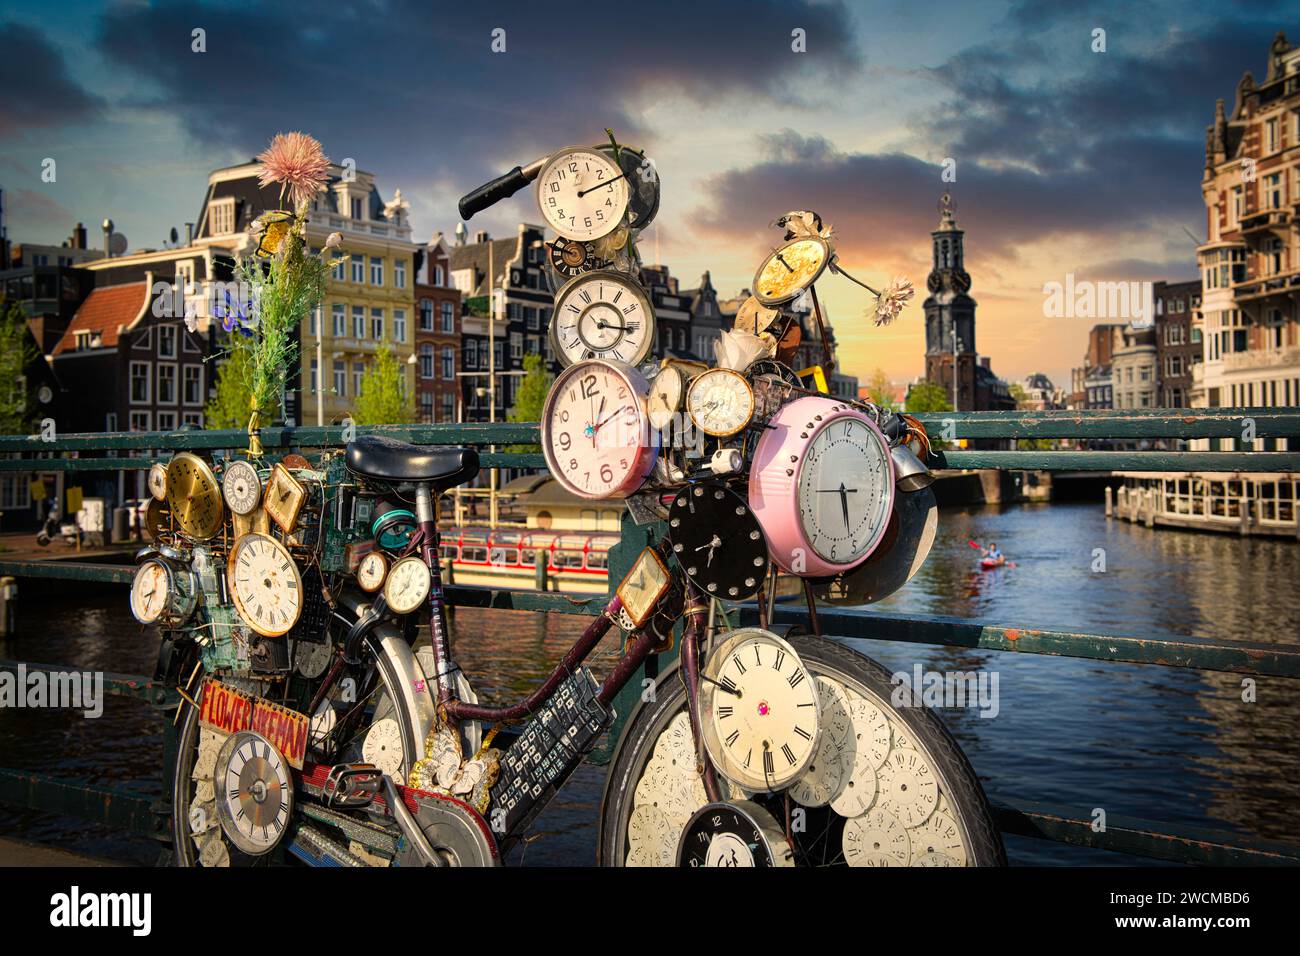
[1066, 159]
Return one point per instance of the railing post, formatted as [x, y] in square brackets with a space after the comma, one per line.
[539, 564]
[1109, 503]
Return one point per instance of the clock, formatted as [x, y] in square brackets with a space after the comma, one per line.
[383, 748]
[667, 389]
[242, 487]
[602, 315]
[371, 571]
[643, 177]
[163, 592]
[720, 402]
[643, 586]
[595, 435]
[311, 660]
[933, 282]
[265, 584]
[760, 713]
[582, 193]
[754, 317]
[822, 486]
[194, 496]
[739, 833]
[254, 793]
[408, 585]
[570, 258]
[283, 498]
[717, 540]
[788, 272]
[158, 480]
[961, 280]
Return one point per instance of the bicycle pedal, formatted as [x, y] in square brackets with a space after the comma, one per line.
[352, 785]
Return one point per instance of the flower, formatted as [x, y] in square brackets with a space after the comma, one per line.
[890, 302]
[297, 163]
[235, 316]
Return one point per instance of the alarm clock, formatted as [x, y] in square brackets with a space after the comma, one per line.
[822, 486]
[594, 431]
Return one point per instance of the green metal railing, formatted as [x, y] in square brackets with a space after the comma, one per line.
[1071, 825]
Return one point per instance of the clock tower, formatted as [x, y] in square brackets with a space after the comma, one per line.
[950, 314]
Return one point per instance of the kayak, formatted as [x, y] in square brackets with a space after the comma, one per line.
[988, 563]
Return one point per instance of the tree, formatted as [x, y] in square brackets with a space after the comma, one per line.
[879, 389]
[17, 352]
[229, 405]
[927, 396]
[1022, 401]
[531, 397]
[384, 398]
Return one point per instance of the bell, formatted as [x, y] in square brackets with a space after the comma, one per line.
[911, 473]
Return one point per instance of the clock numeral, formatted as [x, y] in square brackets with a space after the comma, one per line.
[732, 738]
[728, 685]
[789, 754]
[796, 678]
[768, 766]
[724, 712]
[740, 665]
[780, 658]
[802, 733]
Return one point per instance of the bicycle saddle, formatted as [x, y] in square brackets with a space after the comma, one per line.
[384, 459]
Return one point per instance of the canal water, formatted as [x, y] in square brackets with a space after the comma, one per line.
[1160, 743]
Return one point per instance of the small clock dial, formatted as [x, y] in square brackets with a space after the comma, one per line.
[194, 496]
[876, 839]
[383, 748]
[310, 660]
[665, 399]
[582, 193]
[254, 792]
[371, 571]
[735, 834]
[594, 431]
[760, 706]
[265, 584]
[790, 270]
[570, 258]
[718, 541]
[149, 592]
[284, 497]
[908, 787]
[602, 315]
[408, 585]
[158, 480]
[845, 486]
[242, 487]
[754, 317]
[720, 402]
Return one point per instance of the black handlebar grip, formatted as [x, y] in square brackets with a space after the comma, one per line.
[492, 192]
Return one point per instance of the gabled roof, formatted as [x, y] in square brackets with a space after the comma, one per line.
[475, 256]
[106, 310]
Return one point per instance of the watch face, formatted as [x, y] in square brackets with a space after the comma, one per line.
[734, 834]
[790, 270]
[194, 497]
[284, 497]
[665, 398]
[582, 193]
[265, 584]
[845, 490]
[242, 487]
[254, 793]
[717, 541]
[158, 480]
[720, 402]
[570, 258]
[408, 585]
[602, 315]
[150, 592]
[643, 586]
[594, 433]
[371, 571]
[761, 711]
[754, 317]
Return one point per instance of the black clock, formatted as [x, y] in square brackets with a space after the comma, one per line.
[717, 541]
[736, 834]
[933, 282]
[961, 280]
[572, 257]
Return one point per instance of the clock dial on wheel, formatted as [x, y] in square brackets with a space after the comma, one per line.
[582, 193]
[254, 792]
[602, 315]
[759, 706]
[735, 834]
[788, 272]
[383, 748]
[242, 487]
[265, 584]
[717, 541]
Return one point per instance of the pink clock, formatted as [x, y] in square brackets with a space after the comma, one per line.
[594, 430]
[822, 486]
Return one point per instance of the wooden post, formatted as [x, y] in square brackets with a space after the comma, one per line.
[1109, 503]
[539, 563]
[8, 606]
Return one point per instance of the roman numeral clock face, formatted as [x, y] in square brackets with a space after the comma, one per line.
[602, 315]
[265, 584]
[761, 712]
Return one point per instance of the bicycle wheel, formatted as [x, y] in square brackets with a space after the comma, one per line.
[906, 795]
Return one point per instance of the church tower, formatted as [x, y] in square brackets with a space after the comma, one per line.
[948, 310]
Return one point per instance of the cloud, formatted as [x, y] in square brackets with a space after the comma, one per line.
[25, 206]
[39, 91]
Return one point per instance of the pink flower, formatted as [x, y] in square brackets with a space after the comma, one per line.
[297, 163]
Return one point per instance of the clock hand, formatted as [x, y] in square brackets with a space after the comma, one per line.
[844, 501]
[612, 415]
[608, 182]
[781, 259]
[734, 691]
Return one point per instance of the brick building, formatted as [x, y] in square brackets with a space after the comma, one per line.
[1178, 341]
[437, 334]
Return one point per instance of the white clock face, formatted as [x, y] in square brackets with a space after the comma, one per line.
[371, 571]
[383, 748]
[149, 592]
[593, 431]
[582, 193]
[763, 711]
[408, 585]
[720, 402]
[241, 487]
[158, 480]
[265, 584]
[665, 398]
[602, 315]
[254, 793]
[845, 485]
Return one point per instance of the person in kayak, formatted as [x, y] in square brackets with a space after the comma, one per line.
[993, 554]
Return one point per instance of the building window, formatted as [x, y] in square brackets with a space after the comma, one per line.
[166, 421]
[315, 376]
[448, 362]
[530, 318]
[399, 325]
[377, 323]
[516, 345]
[399, 273]
[376, 271]
[448, 406]
[340, 320]
[167, 384]
[223, 217]
[358, 268]
[358, 373]
[426, 360]
[358, 321]
[81, 339]
[438, 278]
[1271, 142]
[192, 418]
[426, 407]
[448, 317]
[193, 384]
[426, 315]
[358, 209]
[313, 325]
[471, 354]
[139, 421]
[338, 270]
[140, 390]
[167, 341]
[341, 379]
[1273, 191]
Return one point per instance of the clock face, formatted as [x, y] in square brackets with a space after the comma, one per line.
[790, 270]
[845, 490]
[158, 480]
[582, 193]
[383, 748]
[254, 793]
[265, 584]
[594, 431]
[371, 571]
[761, 716]
[754, 317]
[284, 497]
[242, 487]
[717, 541]
[149, 592]
[734, 834]
[570, 258]
[665, 398]
[408, 585]
[720, 402]
[602, 315]
[643, 586]
[193, 496]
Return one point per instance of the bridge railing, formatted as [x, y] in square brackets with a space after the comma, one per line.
[1247, 430]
